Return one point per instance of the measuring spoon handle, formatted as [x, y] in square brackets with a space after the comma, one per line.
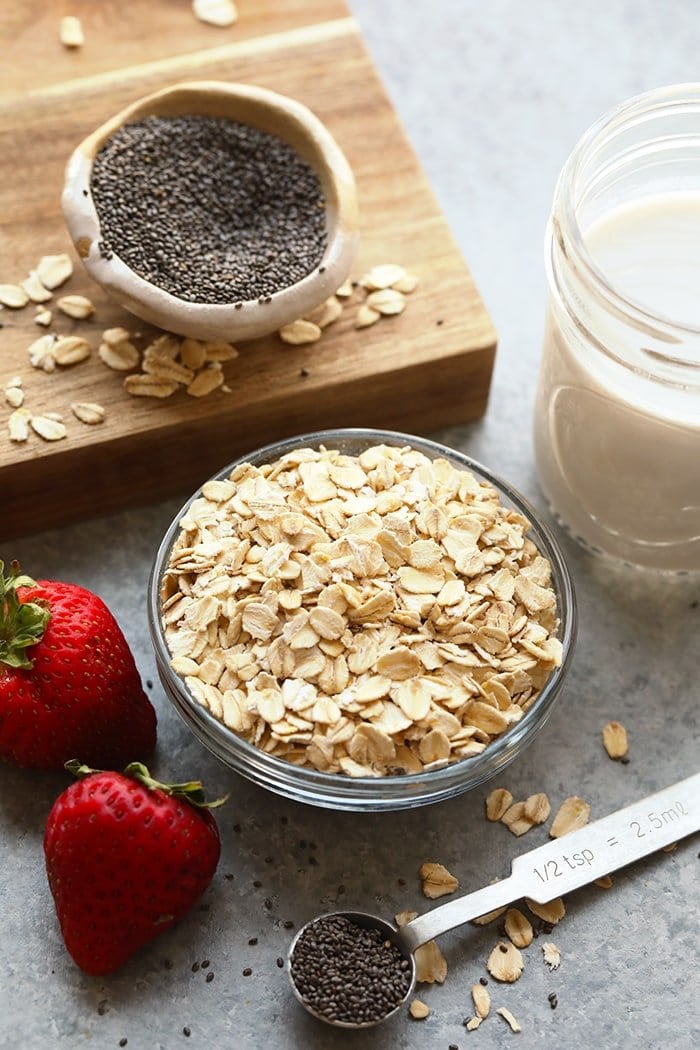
[575, 859]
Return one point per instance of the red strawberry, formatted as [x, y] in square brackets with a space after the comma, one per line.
[68, 682]
[126, 857]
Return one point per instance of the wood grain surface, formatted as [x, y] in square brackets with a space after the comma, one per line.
[427, 368]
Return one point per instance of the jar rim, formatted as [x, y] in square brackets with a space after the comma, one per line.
[566, 231]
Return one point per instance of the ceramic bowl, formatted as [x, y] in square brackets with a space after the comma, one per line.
[257, 107]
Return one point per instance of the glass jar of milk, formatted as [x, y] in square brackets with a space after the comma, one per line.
[617, 419]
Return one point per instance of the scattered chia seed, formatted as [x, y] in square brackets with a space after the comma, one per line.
[257, 883]
[195, 967]
[553, 1001]
[453, 1046]
[149, 683]
[267, 903]
[247, 972]
[253, 941]
[304, 372]
[102, 1007]
[288, 924]
[206, 964]
[312, 861]
[269, 860]
[280, 961]
[186, 1031]
[229, 876]
[208, 209]
[625, 761]
[209, 978]
[237, 829]
[438, 323]
[401, 882]
[341, 890]
[168, 964]
[123, 1041]
[484, 981]
[349, 973]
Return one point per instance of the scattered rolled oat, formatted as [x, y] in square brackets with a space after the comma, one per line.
[489, 916]
[418, 1010]
[13, 295]
[437, 881]
[571, 815]
[473, 1023]
[70, 350]
[43, 317]
[670, 848]
[498, 801]
[537, 808]
[406, 284]
[148, 386]
[366, 316]
[552, 955]
[18, 425]
[345, 290]
[54, 270]
[508, 1017]
[384, 276]
[552, 912]
[14, 395]
[325, 314]
[120, 355]
[297, 333]
[615, 739]
[515, 820]
[47, 428]
[505, 963]
[210, 378]
[519, 928]
[88, 412]
[337, 640]
[77, 306]
[387, 301]
[71, 32]
[41, 353]
[605, 882]
[482, 1000]
[35, 289]
[220, 13]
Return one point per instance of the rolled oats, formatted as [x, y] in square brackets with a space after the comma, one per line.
[383, 276]
[497, 803]
[481, 1000]
[505, 963]
[537, 808]
[220, 13]
[615, 739]
[43, 317]
[437, 880]
[14, 395]
[54, 270]
[14, 296]
[552, 955]
[571, 815]
[552, 912]
[149, 386]
[18, 425]
[325, 314]
[77, 306]
[88, 412]
[366, 316]
[70, 350]
[518, 927]
[35, 289]
[119, 354]
[71, 32]
[387, 302]
[359, 591]
[41, 353]
[507, 1016]
[418, 1010]
[297, 333]
[47, 428]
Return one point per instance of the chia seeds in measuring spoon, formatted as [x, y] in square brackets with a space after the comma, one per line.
[349, 974]
[208, 209]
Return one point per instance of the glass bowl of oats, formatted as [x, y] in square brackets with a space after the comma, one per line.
[361, 619]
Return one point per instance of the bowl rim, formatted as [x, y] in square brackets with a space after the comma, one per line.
[158, 306]
[333, 790]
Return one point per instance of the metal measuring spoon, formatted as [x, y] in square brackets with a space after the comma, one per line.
[549, 871]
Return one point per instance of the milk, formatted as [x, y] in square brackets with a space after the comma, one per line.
[618, 451]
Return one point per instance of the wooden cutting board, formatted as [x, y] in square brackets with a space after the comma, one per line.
[427, 368]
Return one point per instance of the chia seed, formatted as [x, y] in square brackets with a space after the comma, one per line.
[208, 209]
[347, 972]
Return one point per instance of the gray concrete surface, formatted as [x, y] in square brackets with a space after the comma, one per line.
[493, 96]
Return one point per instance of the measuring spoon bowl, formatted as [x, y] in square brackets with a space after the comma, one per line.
[367, 921]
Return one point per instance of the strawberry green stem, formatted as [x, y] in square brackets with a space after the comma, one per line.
[22, 624]
[192, 791]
